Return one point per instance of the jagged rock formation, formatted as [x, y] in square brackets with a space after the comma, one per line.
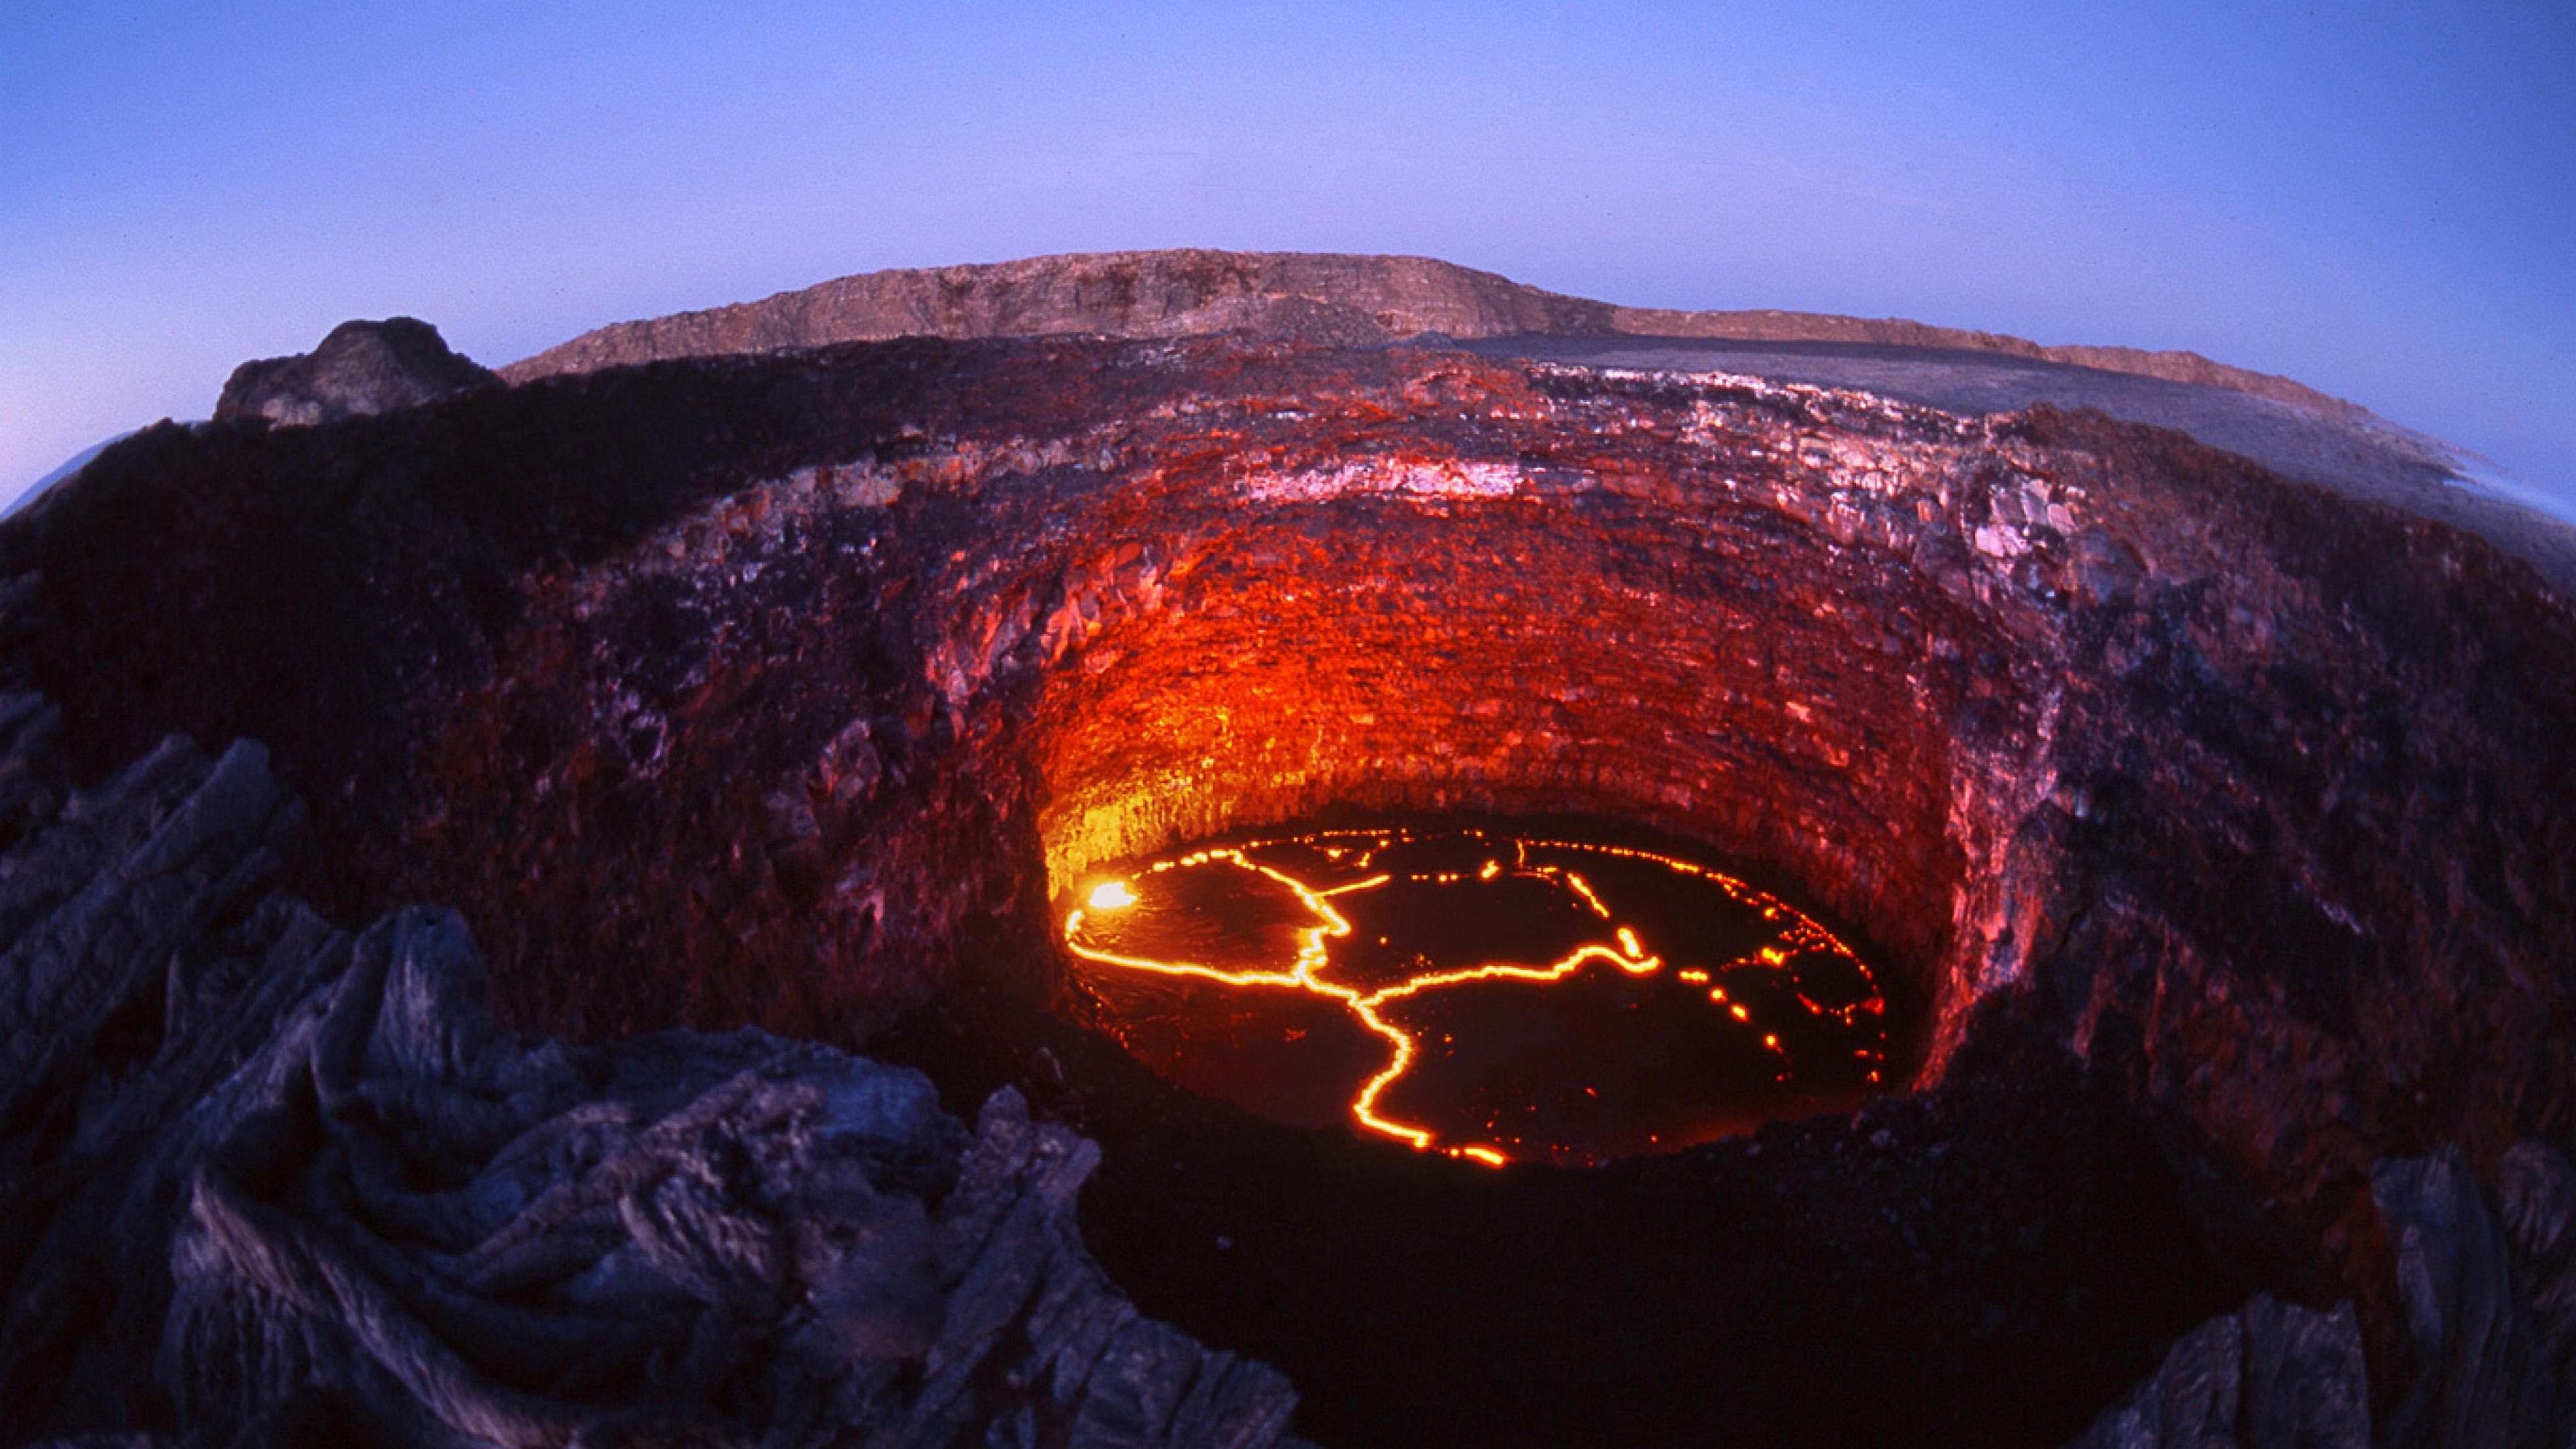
[266, 1182]
[2488, 1277]
[361, 369]
[2269, 1376]
[1294, 296]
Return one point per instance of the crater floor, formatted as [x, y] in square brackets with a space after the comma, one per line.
[1483, 993]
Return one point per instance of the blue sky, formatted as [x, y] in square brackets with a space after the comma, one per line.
[2379, 200]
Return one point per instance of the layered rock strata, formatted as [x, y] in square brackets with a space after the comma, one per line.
[1285, 296]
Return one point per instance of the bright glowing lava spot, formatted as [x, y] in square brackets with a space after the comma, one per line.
[1488, 995]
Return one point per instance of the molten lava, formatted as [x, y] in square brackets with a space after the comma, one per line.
[1387, 975]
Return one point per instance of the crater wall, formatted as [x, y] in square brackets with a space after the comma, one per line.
[789, 690]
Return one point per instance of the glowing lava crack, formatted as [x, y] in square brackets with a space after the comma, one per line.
[1686, 1004]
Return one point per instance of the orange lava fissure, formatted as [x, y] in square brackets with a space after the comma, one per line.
[1153, 923]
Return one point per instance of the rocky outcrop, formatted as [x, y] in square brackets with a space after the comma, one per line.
[2488, 1276]
[262, 1181]
[2268, 1376]
[1281, 296]
[361, 369]
[2488, 1279]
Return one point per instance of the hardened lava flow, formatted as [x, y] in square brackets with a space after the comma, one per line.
[2206, 833]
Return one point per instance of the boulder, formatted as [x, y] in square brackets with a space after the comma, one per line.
[361, 369]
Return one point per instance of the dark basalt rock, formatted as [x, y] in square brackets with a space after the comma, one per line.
[2269, 1376]
[2488, 1279]
[361, 369]
[267, 1182]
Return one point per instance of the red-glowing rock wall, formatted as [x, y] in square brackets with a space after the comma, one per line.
[1537, 620]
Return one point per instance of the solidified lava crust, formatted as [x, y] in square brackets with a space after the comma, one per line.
[793, 690]
[1490, 994]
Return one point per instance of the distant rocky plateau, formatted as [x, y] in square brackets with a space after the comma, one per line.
[528, 900]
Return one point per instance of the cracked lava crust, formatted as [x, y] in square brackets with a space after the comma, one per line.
[1477, 993]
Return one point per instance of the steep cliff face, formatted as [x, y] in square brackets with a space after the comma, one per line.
[792, 690]
[1290, 296]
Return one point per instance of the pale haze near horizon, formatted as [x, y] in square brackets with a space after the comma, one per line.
[2377, 200]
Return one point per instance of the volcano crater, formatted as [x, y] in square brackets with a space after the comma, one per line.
[2209, 826]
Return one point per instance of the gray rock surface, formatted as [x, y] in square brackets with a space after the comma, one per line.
[263, 1181]
[361, 369]
[2488, 1279]
[2474, 1268]
[2268, 1376]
